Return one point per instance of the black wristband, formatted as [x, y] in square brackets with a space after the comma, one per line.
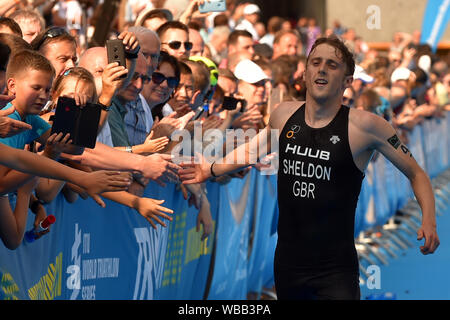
[106, 108]
[134, 54]
[131, 56]
[211, 169]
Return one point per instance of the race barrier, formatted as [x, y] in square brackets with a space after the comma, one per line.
[114, 253]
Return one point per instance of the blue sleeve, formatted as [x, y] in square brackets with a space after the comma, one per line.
[40, 126]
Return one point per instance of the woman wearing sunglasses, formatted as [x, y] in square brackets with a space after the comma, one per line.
[162, 83]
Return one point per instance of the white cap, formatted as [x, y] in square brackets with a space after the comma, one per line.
[400, 73]
[424, 63]
[249, 71]
[362, 75]
[251, 9]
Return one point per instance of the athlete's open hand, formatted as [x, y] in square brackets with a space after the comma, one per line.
[428, 231]
[195, 171]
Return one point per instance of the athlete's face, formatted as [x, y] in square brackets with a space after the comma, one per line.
[325, 74]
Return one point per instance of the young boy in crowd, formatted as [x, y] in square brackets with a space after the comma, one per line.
[29, 77]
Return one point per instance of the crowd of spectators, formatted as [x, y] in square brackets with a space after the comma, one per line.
[180, 63]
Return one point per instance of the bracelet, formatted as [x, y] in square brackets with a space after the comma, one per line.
[211, 169]
[129, 149]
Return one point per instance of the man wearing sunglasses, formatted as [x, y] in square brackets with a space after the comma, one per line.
[125, 95]
[174, 36]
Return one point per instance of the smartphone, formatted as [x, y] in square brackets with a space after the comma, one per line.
[116, 52]
[198, 113]
[213, 6]
[230, 103]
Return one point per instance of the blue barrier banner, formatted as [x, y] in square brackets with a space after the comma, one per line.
[231, 260]
[436, 158]
[187, 258]
[364, 213]
[381, 191]
[447, 117]
[260, 264]
[111, 253]
[435, 21]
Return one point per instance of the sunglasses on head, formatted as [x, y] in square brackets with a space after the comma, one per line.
[175, 45]
[53, 32]
[159, 78]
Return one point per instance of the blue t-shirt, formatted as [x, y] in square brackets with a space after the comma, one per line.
[18, 141]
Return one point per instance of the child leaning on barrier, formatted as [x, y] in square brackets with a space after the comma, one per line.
[78, 83]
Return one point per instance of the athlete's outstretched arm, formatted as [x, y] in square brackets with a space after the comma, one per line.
[385, 140]
[246, 154]
[243, 156]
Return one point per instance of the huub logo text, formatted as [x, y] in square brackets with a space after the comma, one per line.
[308, 152]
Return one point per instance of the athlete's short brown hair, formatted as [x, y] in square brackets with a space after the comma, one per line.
[340, 46]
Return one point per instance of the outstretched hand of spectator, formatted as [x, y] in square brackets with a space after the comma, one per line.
[166, 126]
[155, 145]
[8, 126]
[211, 122]
[56, 144]
[97, 182]
[152, 210]
[160, 168]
